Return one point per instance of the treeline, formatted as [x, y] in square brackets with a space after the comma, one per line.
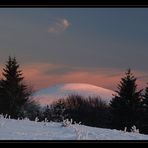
[128, 106]
[90, 111]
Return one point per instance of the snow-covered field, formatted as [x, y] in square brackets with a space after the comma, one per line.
[30, 130]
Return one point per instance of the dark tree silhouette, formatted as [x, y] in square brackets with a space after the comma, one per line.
[13, 92]
[58, 111]
[145, 112]
[145, 99]
[90, 111]
[126, 105]
[47, 113]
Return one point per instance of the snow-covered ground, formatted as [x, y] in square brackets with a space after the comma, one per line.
[30, 130]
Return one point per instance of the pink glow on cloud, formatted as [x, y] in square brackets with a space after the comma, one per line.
[36, 75]
[103, 77]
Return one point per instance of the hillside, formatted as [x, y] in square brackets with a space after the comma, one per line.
[30, 130]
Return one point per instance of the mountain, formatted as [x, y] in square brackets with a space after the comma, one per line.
[48, 95]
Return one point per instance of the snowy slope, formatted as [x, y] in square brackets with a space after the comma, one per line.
[29, 130]
[46, 96]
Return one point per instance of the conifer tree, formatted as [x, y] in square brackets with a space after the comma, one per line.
[47, 113]
[126, 104]
[13, 92]
[145, 111]
[58, 111]
[145, 99]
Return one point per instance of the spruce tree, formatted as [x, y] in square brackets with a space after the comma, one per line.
[145, 99]
[47, 113]
[126, 105]
[145, 111]
[13, 92]
[58, 111]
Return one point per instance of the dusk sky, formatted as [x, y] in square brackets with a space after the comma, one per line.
[88, 45]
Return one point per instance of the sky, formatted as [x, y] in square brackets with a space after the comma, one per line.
[64, 45]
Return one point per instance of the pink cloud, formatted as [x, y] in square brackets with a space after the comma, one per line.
[103, 77]
[36, 75]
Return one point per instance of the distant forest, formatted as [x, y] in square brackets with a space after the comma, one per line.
[127, 108]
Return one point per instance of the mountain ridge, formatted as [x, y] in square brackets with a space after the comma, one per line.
[49, 94]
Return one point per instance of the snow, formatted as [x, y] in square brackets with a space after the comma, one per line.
[11, 129]
[47, 95]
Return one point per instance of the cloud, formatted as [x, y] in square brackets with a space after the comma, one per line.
[42, 75]
[59, 26]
